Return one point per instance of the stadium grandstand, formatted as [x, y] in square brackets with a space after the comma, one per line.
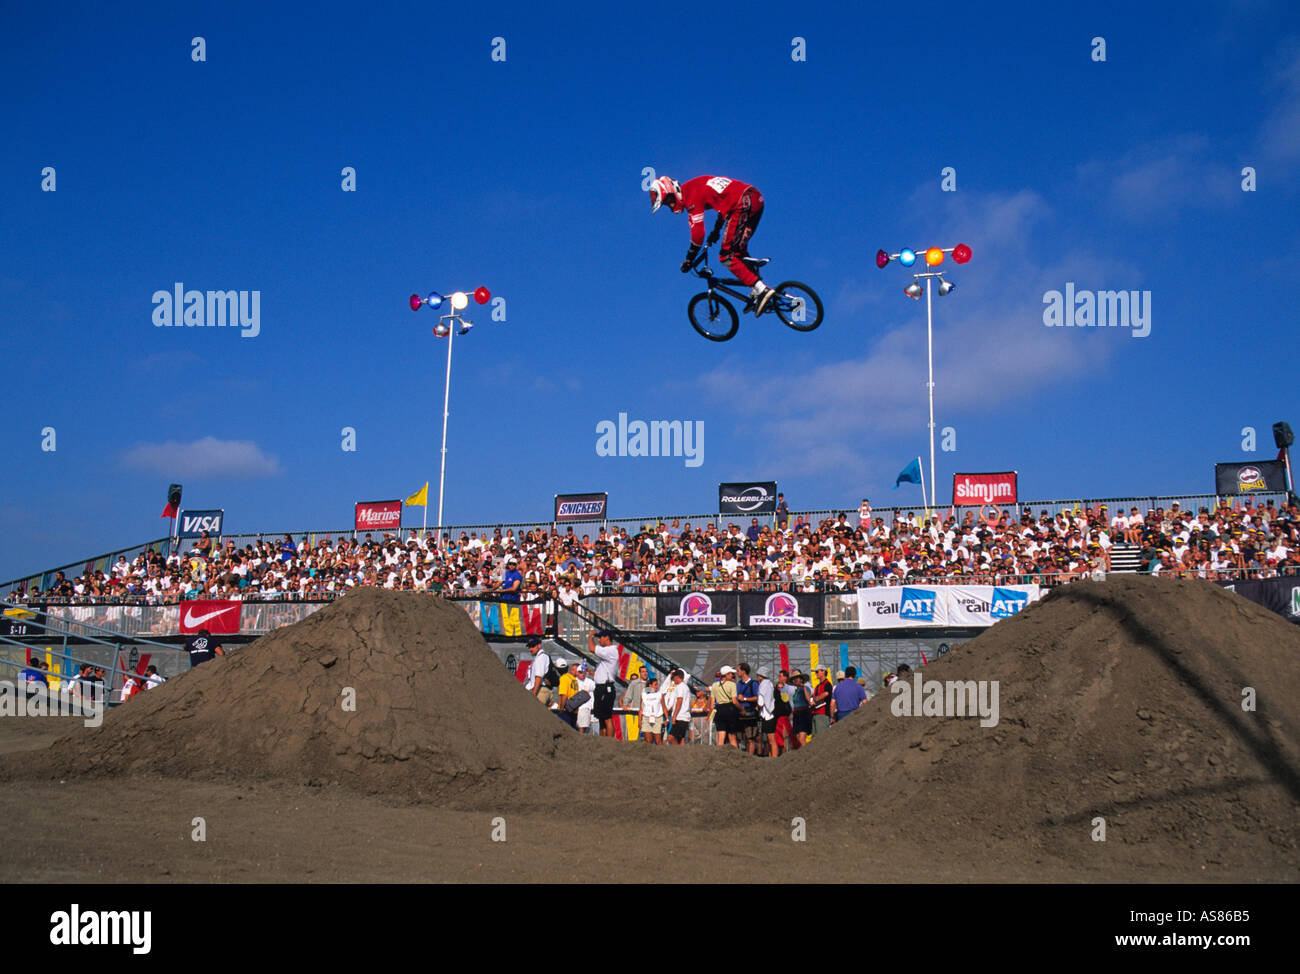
[122, 609]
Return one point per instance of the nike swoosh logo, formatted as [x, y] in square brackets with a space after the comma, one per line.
[192, 620]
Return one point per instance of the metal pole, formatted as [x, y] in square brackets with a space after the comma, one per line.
[446, 398]
[929, 337]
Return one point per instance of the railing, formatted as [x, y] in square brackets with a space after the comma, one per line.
[634, 524]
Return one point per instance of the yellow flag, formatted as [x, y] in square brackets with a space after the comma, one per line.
[420, 498]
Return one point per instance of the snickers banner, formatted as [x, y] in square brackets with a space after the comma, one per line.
[580, 507]
[1257, 477]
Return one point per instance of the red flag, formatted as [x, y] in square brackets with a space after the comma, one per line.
[169, 511]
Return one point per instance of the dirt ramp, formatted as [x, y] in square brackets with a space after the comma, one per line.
[1120, 699]
[436, 715]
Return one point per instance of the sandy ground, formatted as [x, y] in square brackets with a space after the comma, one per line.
[140, 828]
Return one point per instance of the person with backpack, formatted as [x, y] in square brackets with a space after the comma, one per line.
[543, 672]
[566, 694]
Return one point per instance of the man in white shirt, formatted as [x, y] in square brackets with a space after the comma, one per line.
[652, 712]
[586, 722]
[541, 663]
[767, 710]
[677, 708]
[601, 645]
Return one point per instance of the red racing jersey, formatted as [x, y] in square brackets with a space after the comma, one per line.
[709, 193]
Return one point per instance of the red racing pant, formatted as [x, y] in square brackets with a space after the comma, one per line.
[741, 223]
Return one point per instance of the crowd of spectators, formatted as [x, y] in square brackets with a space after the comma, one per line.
[841, 553]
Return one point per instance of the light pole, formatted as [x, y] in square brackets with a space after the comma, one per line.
[449, 326]
[933, 258]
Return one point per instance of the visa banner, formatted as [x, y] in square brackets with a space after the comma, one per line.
[911, 606]
[194, 523]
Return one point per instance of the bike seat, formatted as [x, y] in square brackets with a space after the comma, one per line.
[757, 261]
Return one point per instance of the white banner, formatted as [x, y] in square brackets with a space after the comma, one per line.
[983, 605]
[910, 606]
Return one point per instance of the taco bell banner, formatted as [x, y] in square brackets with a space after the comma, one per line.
[747, 498]
[696, 610]
[780, 610]
[194, 523]
[1256, 477]
[580, 507]
[379, 515]
[909, 606]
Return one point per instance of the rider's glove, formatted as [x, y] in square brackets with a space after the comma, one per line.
[690, 259]
[714, 235]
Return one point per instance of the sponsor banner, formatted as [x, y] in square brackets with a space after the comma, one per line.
[900, 606]
[580, 507]
[379, 515]
[194, 523]
[909, 606]
[1258, 477]
[217, 616]
[978, 489]
[747, 498]
[1280, 595]
[983, 605]
[697, 610]
[780, 610]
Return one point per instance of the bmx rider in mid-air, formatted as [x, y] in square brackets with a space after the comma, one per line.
[739, 206]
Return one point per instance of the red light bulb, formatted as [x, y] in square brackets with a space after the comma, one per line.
[961, 253]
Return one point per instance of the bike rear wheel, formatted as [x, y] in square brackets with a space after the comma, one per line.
[713, 316]
[797, 305]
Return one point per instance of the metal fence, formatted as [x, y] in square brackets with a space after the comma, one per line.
[104, 562]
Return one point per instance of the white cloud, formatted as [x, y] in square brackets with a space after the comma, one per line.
[207, 457]
[1165, 176]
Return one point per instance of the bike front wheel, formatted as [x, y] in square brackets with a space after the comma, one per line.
[713, 316]
[798, 306]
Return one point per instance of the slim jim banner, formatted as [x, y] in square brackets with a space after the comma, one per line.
[978, 489]
[379, 515]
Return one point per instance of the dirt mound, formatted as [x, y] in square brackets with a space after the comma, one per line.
[435, 712]
[1120, 699]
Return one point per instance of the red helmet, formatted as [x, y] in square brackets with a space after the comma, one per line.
[666, 190]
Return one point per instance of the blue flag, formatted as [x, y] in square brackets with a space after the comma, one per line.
[911, 474]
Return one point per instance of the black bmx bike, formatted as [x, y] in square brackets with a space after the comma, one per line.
[714, 317]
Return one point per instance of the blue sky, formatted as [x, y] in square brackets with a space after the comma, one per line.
[524, 175]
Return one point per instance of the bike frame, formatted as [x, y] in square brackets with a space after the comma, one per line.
[716, 283]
